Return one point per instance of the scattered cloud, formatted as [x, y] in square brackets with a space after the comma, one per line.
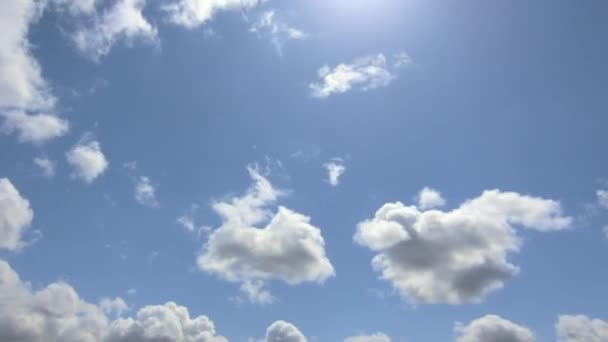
[363, 74]
[254, 292]
[287, 248]
[188, 222]
[492, 328]
[87, 159]
[15, 216]
[430, 198]
[123, 21]
[377, 337]
[335, 169]
[77, 7]
[279, 32]
[581, 328]
[605, 231]
[145, 192]
[456, 256]
[57, 313]
[602, 198]
[132, 291]
[192, 13]
[46, 165]
[281, 331]
[33, 128]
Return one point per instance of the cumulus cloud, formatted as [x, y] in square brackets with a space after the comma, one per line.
[363, 74]
[46, 165]
[145, 192]
[15, 216]
[26, 101]
[602, 198]
[192, 13]
[56, 313]
[430, 198]
[124, 20]
[377, 337]
[87, 160]
[278, 31]
[581, 329]
[492, 328]
[335, 169]
[281, 331]
[456, 256]
[287, 248]
[254, 292]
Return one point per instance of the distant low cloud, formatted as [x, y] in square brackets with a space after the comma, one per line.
[456, 256]
[602, 198]
[15, 216]
[287, 248]
[377, 337]
[46, 165]
[192, 13]
[430, 198]
[281, 331]
[87, 160]
[363, 74]
[123, 21]
[581, 328]
[145, 192]
[278, 31]
[335, 169]
[492, 328]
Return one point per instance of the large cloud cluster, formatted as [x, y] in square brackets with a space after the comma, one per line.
[454, 256]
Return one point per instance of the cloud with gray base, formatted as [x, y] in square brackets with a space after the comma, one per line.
[492, 328]
[253, 243]
[456, 256]
[365, 73]
[581, 328]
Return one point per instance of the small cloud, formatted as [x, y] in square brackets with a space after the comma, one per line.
[87, 159]
[115, 306]
[46, 165]
[278, 31]
[145, 192]
[602, 198]
[335, 169]
[255, 293]
[131, 291]
[430, 198]
[33, 128]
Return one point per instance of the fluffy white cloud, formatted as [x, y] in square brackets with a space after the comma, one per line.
[57, 314]
[46, 165]
[335, 169]
[87, 160]
[15, 216]
[377, 337]
[581, 329]
[192, 13]
[281, 331]
[278, 31]
[124, 20]
[288, 248]
[26, 101]
[492, 328]
[454, 256]
[430, 198]
[602, 198]
[145, 193]
[364, 73]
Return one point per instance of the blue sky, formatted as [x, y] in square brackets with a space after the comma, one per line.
[359, 171]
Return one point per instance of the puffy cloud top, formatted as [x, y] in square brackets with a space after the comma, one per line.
[492, 328]
[15, 216]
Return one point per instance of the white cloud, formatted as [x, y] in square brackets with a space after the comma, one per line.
[278, 31]
[335, 169]
[602, 198]
[145, 193]
[581, 329]
[15, 216]
[26, 100]
[113, 306]
[255, 293]
[429, 198]
[492, 328]
[56, 313]
[377, 337]
[124, 20]
[46, 165]
[33, 128]
[288, 248]
[87, 160]
[364, 73]
[192, 13]
[281, 331]
[456, 256]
